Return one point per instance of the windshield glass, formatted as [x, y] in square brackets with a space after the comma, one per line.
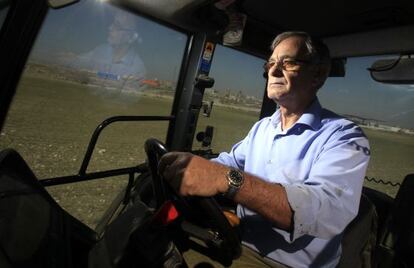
[92, 61]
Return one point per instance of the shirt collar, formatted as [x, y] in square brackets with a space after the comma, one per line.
[311, 117]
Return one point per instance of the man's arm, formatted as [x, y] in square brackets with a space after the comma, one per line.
[268, 199]
[192, 175]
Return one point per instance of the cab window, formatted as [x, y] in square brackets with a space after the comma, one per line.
[386, 114]
[92, 61]
[237, 97]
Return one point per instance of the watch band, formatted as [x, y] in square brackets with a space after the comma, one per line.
[231, 192]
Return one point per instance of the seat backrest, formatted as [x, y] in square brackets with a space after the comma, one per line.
[359, 239]
[397, 239]
[34, 230]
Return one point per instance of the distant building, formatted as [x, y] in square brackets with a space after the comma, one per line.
[151, 83]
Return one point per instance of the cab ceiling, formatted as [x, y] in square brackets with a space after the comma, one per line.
[349, 27]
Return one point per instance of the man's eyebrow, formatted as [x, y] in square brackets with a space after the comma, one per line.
[281, 58]
[287, 57]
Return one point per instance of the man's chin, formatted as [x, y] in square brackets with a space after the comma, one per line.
[274, 95]
[280, 98]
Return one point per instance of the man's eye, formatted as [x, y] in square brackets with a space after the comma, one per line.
[289, 63]
[271, 63]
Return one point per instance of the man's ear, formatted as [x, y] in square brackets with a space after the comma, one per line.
[320, 75]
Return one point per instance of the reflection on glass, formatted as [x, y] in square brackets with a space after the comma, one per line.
[116, 54]
[115, 64]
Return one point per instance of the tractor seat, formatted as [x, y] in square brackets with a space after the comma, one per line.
[36, 232]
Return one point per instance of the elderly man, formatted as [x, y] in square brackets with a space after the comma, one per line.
[297, 176]
[116, 63]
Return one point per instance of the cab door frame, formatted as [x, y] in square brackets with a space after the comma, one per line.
[17, 36]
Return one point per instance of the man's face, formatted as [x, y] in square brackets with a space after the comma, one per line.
[295, 82]
[121, 30]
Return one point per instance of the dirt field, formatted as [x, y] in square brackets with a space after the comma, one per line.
[51, 121]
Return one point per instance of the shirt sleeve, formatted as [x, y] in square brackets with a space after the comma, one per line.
[329, 198]
[235, 158]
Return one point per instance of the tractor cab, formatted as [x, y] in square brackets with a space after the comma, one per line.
[94, 92]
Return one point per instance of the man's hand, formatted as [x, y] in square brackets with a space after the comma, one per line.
[191, 175]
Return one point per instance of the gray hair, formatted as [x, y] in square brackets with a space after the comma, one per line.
[317, 50]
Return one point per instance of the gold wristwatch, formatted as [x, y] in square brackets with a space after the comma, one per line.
[235, 180]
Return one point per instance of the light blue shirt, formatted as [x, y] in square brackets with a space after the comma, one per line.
[321, 162]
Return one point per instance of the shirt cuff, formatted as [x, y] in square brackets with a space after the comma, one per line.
[301, 201]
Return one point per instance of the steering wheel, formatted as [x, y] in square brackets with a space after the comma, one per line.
[197, 209]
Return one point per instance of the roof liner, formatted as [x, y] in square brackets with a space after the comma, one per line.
[340, 23]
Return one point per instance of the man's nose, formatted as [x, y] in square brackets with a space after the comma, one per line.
[275, 71]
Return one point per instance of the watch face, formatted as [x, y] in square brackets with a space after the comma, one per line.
[236, 177]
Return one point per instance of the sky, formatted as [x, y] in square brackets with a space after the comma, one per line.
[83, 26]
